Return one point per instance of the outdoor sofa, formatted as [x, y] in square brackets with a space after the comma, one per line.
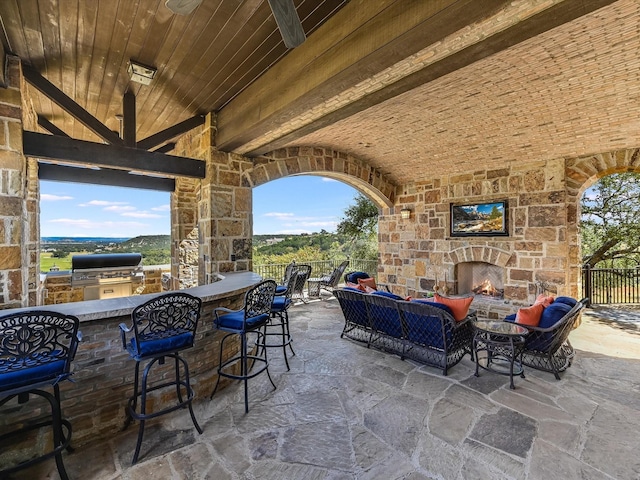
[547, 345]
[419, 330]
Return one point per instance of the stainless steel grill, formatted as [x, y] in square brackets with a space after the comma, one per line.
[107, 275]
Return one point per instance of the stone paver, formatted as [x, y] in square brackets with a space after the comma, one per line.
[347, 412]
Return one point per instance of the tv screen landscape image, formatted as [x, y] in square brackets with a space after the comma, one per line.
[479, 219]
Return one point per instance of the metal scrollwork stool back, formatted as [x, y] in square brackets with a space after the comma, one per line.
[162, 327]
[251, 318]
[36, 351]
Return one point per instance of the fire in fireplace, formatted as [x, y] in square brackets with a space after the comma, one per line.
[487, 289]
[480, 278]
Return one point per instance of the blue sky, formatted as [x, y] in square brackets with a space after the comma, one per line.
[301, 204]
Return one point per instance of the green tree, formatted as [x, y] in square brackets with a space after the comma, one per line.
[609, 229]
[495, 213]
[360, 227]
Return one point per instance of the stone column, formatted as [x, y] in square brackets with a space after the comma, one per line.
[19, 232]
[213, 214]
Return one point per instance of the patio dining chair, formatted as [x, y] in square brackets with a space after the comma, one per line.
[328, 281]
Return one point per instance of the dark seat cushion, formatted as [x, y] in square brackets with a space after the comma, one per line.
[161, 345]
[280, 289]
[441, 306]
[235, 320]
[32, 375]
[568, 300]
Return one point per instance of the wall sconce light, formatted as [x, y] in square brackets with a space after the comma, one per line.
[140, 73]
[405, 213]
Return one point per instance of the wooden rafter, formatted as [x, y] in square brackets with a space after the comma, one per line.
[171, 132]
[55, 147]
[104, 176]
[50, 127]
[71, 107]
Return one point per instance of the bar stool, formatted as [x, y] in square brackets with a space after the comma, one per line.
[162, 327]
[36, 351]
[279, 319]
[249, 319]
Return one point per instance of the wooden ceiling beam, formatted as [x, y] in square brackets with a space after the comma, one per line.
[166, 148]
[67, 104]
[129, 119]
[103, 176]
[171, 132]
[54, 147]
[254, 114]
[50, 127]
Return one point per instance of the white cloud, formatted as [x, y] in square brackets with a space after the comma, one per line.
[162, 208]
[278, 215]
[119, 208]
[141, 215]
[47, 197]
[327, 179]
[101, 203]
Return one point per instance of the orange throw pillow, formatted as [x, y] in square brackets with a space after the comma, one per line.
[530, 316]
[459, 306]
[367, 282]
[544, 300]
[355, 285]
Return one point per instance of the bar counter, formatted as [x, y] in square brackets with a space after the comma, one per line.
[103, 371]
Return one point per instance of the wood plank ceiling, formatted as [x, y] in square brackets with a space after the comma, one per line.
[203, 60]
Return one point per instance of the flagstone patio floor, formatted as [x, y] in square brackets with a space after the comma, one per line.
[347, 412]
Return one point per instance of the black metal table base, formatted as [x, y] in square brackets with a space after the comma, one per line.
[501, 354]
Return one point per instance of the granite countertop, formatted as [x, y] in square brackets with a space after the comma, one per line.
[228, 285]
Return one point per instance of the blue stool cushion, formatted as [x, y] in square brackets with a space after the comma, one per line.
[280, 304]
[161, 345]
[553, 313]
[235, 320]
[27, 376]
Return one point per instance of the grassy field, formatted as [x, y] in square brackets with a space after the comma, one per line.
[47, 261]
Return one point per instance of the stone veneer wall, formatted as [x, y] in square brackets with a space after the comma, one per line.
[224, 206]
[413, 252]
[19, 234]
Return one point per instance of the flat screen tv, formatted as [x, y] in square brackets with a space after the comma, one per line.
[480, 219]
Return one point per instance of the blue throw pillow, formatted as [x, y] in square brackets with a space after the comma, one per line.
[553, 313]
[566, 300]
[354, 276]
[382, 293]
[351, 289]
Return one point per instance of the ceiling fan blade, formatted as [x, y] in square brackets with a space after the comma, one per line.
[284, 11]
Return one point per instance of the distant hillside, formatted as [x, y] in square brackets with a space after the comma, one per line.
[146, 242]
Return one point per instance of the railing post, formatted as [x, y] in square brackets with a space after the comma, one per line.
[587, 285]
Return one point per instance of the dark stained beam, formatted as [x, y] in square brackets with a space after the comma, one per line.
[165, 148]
[50, 127]
[171, 132]
[129, 119]
[103, 176]
[59, 97]
[284, 11]
[53, 147]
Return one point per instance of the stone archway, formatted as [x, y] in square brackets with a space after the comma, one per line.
[581, 173]
[326, 162]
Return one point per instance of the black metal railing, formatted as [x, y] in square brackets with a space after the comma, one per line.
[275, 271]
[611, 285]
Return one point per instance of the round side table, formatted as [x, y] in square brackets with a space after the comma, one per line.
[498, 347]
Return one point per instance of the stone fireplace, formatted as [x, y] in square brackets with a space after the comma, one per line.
[482, 279]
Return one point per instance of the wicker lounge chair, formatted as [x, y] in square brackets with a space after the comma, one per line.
[328, 281]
